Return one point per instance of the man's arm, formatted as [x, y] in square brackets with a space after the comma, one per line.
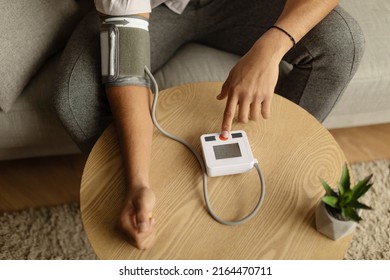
[300, 16]
[130, 106]
[251, 82]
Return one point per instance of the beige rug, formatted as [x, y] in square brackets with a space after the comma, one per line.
[57, 232]
[371, 240]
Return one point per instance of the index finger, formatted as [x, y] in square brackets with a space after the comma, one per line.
[229, 113]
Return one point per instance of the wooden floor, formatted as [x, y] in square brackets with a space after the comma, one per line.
[55, 180]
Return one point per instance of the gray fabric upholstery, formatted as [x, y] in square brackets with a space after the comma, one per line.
[31, 128]
[31, 32]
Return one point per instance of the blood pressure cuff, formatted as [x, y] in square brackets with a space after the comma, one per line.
[125, 51]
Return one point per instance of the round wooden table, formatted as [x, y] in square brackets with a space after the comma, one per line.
[293, 149]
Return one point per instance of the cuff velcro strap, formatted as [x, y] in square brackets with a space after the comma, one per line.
[125, 51]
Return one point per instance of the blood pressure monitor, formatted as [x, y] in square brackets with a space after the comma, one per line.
[227, 156]
[222, 156]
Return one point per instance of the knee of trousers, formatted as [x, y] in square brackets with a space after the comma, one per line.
[78, 95]
[81, 105]
[84, 125]
[338, 43]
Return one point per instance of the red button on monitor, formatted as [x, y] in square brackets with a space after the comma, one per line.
[222, 138]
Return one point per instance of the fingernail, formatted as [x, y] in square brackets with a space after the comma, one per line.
[142, 227]
[225, 134]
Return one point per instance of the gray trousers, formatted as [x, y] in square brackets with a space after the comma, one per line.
[324, 61]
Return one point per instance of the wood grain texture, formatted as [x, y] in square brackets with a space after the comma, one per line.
[293, 151]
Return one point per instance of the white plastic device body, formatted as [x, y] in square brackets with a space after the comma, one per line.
[229, 156]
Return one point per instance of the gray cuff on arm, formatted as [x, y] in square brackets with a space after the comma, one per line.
[125, 51]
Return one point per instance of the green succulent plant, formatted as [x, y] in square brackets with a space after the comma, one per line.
[345, 199]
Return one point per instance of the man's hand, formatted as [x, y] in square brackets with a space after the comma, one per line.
[251, 82]
[136, 217]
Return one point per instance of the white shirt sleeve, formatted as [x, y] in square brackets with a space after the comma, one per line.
[177, 6]
[122, 7]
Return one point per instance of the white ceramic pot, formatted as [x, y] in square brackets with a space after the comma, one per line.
[330, 226]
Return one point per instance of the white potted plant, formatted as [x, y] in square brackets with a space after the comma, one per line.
[339, 210]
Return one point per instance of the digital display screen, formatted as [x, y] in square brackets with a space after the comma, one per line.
[227, 151]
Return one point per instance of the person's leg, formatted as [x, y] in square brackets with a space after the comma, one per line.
[168, 32]
[323, 62]
[235, 25]
[79, 96]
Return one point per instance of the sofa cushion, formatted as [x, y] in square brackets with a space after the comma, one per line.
[196, 63]
[31, 32]
[31, 128]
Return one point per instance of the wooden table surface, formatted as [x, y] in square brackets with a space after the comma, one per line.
[293, 150]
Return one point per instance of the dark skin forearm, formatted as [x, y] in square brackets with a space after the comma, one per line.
[300, 16]
[130, 106]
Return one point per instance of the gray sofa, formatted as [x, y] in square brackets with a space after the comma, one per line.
[29, 127]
